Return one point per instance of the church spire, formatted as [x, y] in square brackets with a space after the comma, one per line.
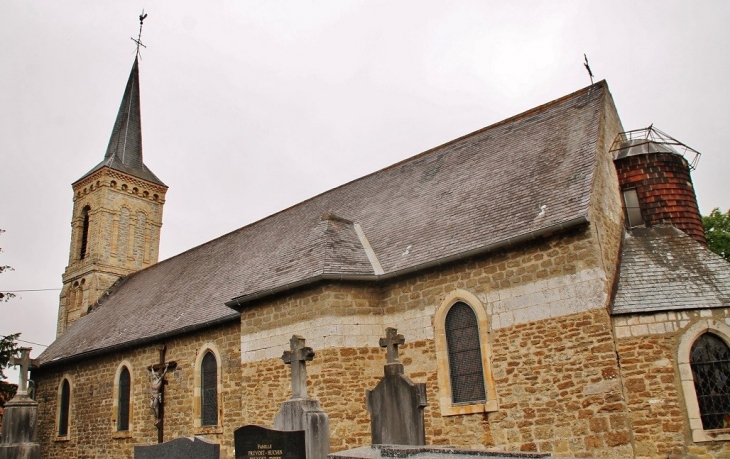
[126, 139]
[124, 152]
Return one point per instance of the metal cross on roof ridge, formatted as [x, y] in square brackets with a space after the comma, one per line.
[297, 357]
[142, 17]
[391, 342]
[25, 363]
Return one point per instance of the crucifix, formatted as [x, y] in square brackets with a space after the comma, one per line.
[157, 386]
[297, 357]
[25, 363]
[391, 342]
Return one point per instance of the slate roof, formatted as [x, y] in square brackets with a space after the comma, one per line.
[473, 194]
[663, 269]
[124, 152]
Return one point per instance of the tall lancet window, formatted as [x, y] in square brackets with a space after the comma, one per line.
[465, 355]
[84, 232]
[209, 390]
[124, 399]
[710, 363]
[64, 408]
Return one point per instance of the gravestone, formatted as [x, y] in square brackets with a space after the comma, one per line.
[20, 416]
[396, 404]
[258, 442]
[180, 448]
[301, 412]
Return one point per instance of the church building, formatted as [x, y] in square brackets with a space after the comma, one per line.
[549, 273]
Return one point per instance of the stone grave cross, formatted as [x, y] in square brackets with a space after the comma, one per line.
[158, 383]
[391, 342]
[25, 363]
[297, 357]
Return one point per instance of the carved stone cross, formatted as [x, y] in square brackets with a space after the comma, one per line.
[391, 342]
[297, 357]
[158, 383]
[25, 363]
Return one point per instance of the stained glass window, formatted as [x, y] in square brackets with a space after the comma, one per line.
[209, 390]
[710, 363]
[465, 355]
[124, 393]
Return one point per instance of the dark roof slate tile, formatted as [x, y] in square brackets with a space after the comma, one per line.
[524, 174]
[663, 269]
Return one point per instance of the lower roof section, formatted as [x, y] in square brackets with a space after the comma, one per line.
[663, 269]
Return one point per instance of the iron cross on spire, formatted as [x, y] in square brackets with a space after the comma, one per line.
[297, 357]
[25, 363]
[391, 342]
[142, 17]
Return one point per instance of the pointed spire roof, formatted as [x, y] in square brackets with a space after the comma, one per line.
[124, 152]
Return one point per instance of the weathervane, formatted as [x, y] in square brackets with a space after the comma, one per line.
[590, 74]
[139, 38]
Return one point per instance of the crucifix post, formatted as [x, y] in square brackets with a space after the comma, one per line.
[25, 363]
[157, 383]
[297, 357]
[391, 342]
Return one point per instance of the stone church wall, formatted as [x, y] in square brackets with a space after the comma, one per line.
[652, 375]
[92, 425]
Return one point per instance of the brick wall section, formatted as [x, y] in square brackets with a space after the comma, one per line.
[664, 188]
[647, 346]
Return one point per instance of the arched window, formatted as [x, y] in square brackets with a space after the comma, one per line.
[209, 390]
[465, 355]
[65, 408]
[84, 232]
[710, 363]
[125, 384]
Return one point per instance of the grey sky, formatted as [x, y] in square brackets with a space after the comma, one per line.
[249, 107]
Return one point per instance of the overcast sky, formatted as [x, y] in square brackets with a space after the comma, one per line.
[249, 107]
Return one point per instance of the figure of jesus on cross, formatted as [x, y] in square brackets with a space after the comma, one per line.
[157, 390]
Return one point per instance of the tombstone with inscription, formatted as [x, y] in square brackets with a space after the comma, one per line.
[396, 404]
[180, 448]
[19, 439]
[258, 442]
[301, 412]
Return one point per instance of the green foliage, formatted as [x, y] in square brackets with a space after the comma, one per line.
[717, 231]
[8, 348]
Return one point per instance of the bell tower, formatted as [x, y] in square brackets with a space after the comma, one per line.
[117, 215]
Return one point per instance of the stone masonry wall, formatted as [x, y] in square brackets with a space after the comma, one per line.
[125, 219]
[557, 386]
[648, 351]
[93, 418]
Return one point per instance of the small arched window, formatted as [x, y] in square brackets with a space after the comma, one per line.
[710, 363]
[84, 232]
[125, 382]
[64, 408]
[465, 355]
[209, 390]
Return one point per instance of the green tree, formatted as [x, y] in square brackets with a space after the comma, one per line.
[717, 231]
[8, 348]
